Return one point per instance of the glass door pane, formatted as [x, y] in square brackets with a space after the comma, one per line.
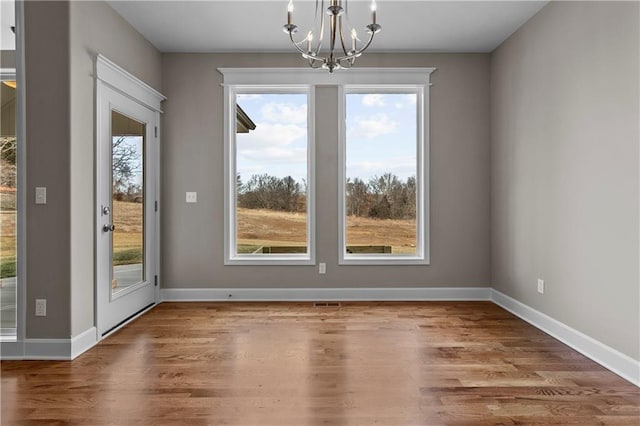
[127, 201]
[8, 178]
[8, 209]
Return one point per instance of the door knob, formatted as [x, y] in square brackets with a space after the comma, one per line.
[108, 227]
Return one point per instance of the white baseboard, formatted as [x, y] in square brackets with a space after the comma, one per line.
[49, 349]
[83, 342]
[323, 294]
[619, 363]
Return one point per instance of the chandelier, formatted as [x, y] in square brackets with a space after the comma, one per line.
[343, 50]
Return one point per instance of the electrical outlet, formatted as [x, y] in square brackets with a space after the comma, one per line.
[540, 286]
[41, 195]
[322, 268]
[192, 197]
[41, 307]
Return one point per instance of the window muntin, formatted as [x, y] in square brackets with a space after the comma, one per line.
[270, 214]
[383, 182]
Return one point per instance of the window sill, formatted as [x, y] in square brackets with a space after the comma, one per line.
[386, 260]
[270, 260]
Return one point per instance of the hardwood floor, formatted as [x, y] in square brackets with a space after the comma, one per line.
[436, 363]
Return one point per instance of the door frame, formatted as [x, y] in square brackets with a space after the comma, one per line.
[109, 76]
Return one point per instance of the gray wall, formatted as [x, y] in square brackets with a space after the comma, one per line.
[48, 151]
[62, 39]
[95, 28]
[564, 158]
[192, 160]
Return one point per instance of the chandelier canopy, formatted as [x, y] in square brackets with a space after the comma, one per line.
[341, 53]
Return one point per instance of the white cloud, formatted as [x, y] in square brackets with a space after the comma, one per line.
[273, 143]
[275, 112]
[373, 100]
[408, 100]
[371, 127]
[270, 135]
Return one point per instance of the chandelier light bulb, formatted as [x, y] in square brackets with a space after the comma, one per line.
[354, 37]
[309, 40]
[374, 9]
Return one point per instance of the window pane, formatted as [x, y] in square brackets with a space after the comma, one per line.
[8, 204]
[127, 203]
[381, 170]
[8, 179]
[271, 174]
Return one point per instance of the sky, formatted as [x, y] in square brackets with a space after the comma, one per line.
[381, 135]
[137, 143]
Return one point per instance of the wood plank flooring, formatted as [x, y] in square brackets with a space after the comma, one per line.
[435, 363]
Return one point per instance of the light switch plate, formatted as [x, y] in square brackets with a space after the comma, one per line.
[192, 197]
[41, 195]
[41, 307]
[322, 268]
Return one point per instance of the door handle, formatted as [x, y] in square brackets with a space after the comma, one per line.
[108, 227]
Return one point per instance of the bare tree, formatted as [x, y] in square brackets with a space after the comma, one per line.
[270, 192]
[126, 163]
[358, 197]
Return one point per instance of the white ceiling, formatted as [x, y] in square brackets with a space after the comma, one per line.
[251, 26]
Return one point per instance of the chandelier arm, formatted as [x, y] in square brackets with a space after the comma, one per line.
[358, 52]
[322, 18]
[319, 5]
[344, 49]
[302, 52]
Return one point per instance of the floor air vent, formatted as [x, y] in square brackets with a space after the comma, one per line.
[326, 304]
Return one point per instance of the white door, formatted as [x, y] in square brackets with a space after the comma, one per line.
[126, 205]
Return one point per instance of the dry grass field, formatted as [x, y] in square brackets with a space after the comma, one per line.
[256, 228]
[270, 228]
[8, 236]
[127, 238]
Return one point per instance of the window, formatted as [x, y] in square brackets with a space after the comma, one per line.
[270, 175]
[8, 205]
[12, 172]
[383, 180]
[383, 172]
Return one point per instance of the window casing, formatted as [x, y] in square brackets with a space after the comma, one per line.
[257, 166]
[383, 182]
[304, 80]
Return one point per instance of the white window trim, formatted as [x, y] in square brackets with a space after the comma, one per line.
[422, 177]
[12, 340]
[11, 334]
[234, 78]
[230, 241]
